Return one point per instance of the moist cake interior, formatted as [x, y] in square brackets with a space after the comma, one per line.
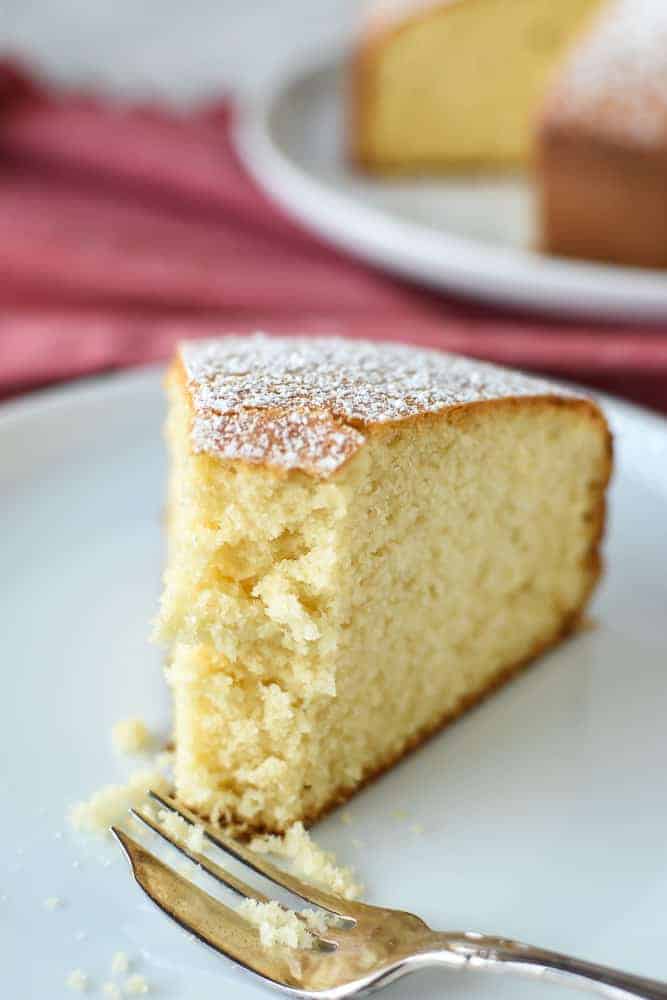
[319, 626]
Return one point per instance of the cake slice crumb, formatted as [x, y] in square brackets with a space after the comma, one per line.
[111, 990]
[53, 903]
[416, 828]
[131, 736]
[136, 985]
[309, 860]
[110, 803]
[346, 817]
[120, 963]
[77, 980]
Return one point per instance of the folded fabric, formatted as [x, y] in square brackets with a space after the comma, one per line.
[126, 228]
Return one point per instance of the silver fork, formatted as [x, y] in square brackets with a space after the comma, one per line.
[366, 948]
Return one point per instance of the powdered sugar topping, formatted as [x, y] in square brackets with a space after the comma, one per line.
[616, 77]
[304, 403]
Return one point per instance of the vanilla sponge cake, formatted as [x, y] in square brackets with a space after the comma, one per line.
[364, 539]
[576, 88]
[454, 84]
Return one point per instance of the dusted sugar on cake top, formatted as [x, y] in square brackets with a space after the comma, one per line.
[602, 142]
[363, 540]
[303, 403]
[615, 80]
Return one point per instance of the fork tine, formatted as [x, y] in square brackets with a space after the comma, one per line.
[207, 918]
[218, 873]
[309, 893]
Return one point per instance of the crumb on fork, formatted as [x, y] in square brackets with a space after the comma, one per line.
[309, 860]
[279, 926]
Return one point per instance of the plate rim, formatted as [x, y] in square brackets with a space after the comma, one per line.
[36, 402]
[185, 969]
[516, 278]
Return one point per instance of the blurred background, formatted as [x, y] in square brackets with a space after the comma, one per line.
[128, 222]
[180, 51]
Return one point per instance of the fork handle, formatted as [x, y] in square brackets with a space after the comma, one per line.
[496, 954]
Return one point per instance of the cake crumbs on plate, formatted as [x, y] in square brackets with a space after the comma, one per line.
[77, 980]
[416, 828]
[120, 963]
[346, 817]
[53, 903]
[111, 990]
[110, 803]
[131, 736]
[136, 985]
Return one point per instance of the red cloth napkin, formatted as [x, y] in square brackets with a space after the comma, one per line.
[124, 229]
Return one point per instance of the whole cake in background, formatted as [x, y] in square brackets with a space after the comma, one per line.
[577, 87]
[364, 539]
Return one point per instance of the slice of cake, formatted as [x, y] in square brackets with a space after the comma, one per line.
[364, 539]
[450, 84]
[602, 144]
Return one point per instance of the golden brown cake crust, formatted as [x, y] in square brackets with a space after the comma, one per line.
[600, 201]
[308, 404]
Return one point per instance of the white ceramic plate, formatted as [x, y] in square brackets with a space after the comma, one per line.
[467, 234]
[544, 811]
